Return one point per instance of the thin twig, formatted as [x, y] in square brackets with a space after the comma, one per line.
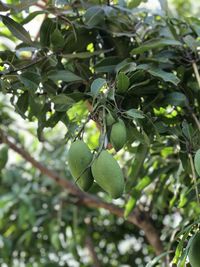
[24, 67]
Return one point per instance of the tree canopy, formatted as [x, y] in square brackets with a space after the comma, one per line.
[92, 64]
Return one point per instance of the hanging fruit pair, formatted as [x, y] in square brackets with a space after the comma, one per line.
[104, 169]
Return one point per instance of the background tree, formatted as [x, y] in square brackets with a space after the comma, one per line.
[91, 59]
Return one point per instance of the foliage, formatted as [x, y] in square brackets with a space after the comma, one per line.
[90, 60]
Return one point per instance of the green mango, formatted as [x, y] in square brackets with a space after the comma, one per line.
[118, 135]
[109, 119]
[108, 174]
[194, 255]
[3, 157]
[79, 159]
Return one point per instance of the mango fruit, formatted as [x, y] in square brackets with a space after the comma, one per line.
[118, 135]
[108, 174]
[109, 119]
[194, 255]
[79, 159]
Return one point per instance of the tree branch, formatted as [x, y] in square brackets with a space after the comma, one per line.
[137, 217]
[89, 244]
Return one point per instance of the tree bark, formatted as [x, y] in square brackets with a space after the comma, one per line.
[137, 217]
[90, 246]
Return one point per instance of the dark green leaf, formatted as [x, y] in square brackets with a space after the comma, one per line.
[30, 79]
[47, 27]
[157, 72]
[62, 102]
[16, 29]
[3, 7]
[22, 103]
[154, 44]
[123, 82]
[135, 114]
[191, 42]
[176, 99]
[97, 85]
[3, 156]
[107, 64]
[63, 75]
[137, 163]
[94, 16]
[57, 39]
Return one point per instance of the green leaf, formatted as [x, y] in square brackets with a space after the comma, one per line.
[130, 205]
[144, 182]
[16, 29]
[176, 99]
[187, 130]
[62, 102]
[166, 76]
[125, 67]
[107, 64]
[135, 194]
[6, 202]
[154, 44]
[97, 85]
[157, 259]
[134, 3]
[3, 157]
[22, 5]
[63, 75]
[135, 134]
[191, 42]
[137, 163]
[47, 27]
[30, 79]
[197, 161]
[3, 7]
[32, 15]
[84, 55]
[94, 16]
[54, 119]
[179, 249]
[157, 72]
[57, 39]
[164, 5]
[123, 82]
[55, 241]
[22, 104]
[135, 114]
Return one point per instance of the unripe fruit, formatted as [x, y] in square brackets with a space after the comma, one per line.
[194, 255]
[107, 173]
[118, 135]
[79, 159]
[109, 119]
